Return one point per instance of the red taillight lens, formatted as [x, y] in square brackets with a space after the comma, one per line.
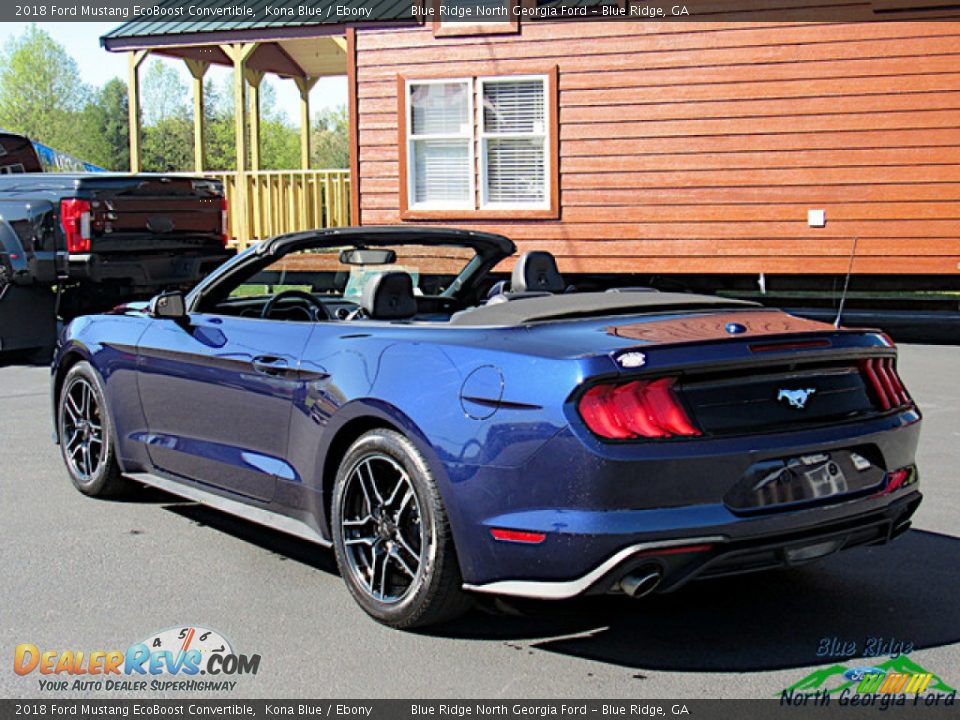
[596, 409]
[642, 408]
[224, 226]
[887, 387]
[520, 536]
[897, 479]
[75, 219]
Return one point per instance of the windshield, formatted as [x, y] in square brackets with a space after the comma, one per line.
[323, 270]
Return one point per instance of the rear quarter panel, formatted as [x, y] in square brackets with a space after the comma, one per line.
[414, 379]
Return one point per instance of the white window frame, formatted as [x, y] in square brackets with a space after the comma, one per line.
[411, 139]
[484, 136]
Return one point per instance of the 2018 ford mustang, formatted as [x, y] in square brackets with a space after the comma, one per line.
[373, 389]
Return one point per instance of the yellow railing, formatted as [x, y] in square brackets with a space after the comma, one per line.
[264, 203]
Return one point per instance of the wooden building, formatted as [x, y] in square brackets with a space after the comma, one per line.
[640, 147]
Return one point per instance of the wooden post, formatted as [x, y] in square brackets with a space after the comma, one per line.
[305, 85]
[134, 60]
[254, 78]
[354, 218]
[198, 68]
[239, 53]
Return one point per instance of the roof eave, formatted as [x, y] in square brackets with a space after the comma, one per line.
[260, 34]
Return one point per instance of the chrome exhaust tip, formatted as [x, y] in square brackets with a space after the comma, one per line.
[642, 582]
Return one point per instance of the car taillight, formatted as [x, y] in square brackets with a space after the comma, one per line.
[885, 383]
[896, 479]
[518, 536]
[224, 235]
[642, 408]
[75, 219]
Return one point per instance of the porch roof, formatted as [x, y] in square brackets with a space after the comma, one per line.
[319, 19]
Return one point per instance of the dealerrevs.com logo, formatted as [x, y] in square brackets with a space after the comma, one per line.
[189, 658]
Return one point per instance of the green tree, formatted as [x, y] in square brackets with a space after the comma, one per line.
[279, 146]
[114, 124]
[218, 137]
[164, 94]
[168, 145]
[103, 137]
[331, 139]
[279, 141]
[41, 93]
[167, 140]
[220, 144]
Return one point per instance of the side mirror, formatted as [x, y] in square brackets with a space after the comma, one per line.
[168, 305]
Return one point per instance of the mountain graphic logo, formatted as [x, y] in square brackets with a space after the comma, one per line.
[900, 673]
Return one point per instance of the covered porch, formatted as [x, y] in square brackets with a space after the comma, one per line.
[261, 202]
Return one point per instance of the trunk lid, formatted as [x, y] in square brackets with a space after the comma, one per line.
[783, 395]
[759, 370]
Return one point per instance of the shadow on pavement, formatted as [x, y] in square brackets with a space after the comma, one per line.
[903, 592]
[286, 547]
[906, 591]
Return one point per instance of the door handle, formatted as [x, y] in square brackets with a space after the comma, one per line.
[270, 365]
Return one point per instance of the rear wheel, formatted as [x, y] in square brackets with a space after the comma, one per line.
[392, 536]
[86, 435]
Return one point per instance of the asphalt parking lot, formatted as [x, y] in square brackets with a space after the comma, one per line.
[85, 574]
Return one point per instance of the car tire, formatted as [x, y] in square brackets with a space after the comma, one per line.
[388, 517]
[86, 435]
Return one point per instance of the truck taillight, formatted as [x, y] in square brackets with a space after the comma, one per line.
[75, 219]
[224, 227]
[887, 387]
[642, 408]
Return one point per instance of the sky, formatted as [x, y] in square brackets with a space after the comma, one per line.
[82, 41]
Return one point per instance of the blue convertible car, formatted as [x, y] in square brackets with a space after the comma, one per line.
[375, 390]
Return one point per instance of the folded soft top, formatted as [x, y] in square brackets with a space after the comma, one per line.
[590, 304]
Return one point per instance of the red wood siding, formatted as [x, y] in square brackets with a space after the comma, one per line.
[700, 147]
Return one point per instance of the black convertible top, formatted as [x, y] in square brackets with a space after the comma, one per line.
[379, 235]
[589, 304]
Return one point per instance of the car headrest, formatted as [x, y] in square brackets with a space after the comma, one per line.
[389, 296]
[536, 271]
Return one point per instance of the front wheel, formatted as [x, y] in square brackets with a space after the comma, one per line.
[391, 534]
[86, 434]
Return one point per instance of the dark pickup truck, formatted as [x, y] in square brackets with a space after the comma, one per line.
[81, 243]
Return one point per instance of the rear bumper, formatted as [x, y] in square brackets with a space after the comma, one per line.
[146, 271]
[592, 504]
[682, 559]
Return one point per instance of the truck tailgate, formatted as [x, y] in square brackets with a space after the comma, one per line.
[153, 214]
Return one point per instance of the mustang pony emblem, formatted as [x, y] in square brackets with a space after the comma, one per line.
[796, 398]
